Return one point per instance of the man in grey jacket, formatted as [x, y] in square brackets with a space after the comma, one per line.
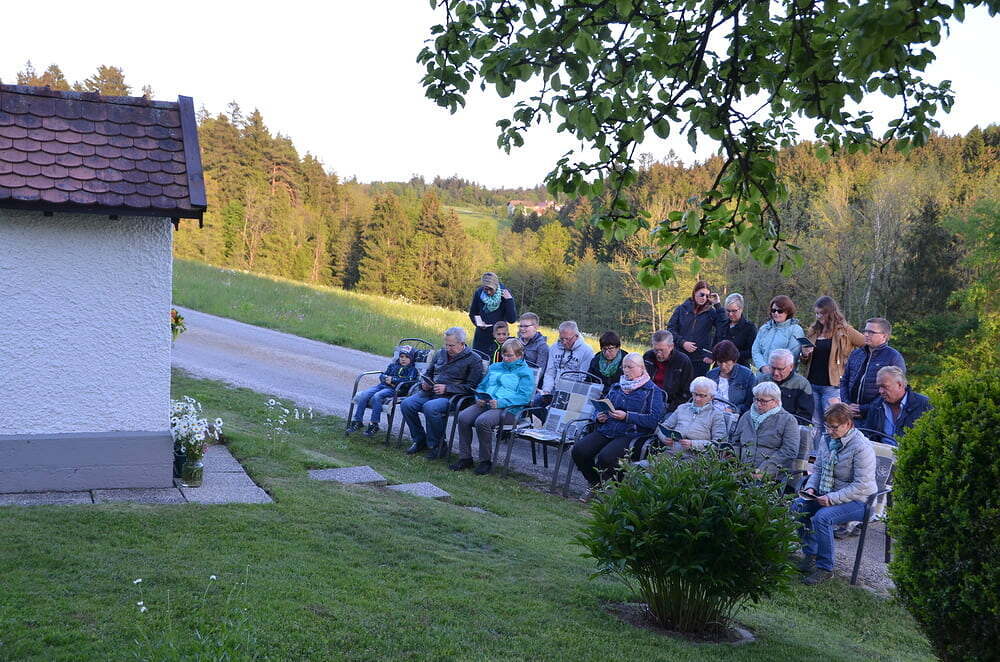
[569, 353]
[836, 492]
[536, 351]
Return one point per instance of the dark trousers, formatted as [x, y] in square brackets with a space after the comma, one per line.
[597, 456]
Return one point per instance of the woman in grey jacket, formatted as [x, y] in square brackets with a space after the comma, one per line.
[836, 492]
[698, 422]
[768, 435]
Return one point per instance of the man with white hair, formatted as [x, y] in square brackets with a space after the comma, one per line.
[897, 408]
[455, 371]
[796, 392]
[669, 369]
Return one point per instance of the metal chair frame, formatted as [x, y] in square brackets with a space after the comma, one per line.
[884, 489]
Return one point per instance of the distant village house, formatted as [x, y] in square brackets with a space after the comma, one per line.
[526, 207]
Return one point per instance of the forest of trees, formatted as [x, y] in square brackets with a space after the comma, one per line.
[886, 233]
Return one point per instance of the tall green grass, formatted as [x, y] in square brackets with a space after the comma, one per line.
[329, 314]
[331, 572]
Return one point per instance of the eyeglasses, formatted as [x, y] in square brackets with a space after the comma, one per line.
[606, 348]
[732, 310]
[763, 401]
[701, 395]
[701, 295]
[873, 332]
[776, 310]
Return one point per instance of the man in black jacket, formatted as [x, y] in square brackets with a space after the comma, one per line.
[455, 371]
[669, 369]
[796, 392]
[897, 408]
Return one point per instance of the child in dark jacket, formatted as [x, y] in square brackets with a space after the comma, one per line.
[400, 370]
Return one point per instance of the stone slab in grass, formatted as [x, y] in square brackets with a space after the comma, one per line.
[226, 488]
[46, 499]
[165, 495]
[218, 459]
[363, 475]
[423, 489]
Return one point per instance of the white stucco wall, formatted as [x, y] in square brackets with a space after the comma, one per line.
[84, 323]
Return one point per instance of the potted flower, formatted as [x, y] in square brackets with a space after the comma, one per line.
[177, 326]
[189, 433]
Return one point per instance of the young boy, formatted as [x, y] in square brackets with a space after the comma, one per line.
[400, 370]
[501, 332]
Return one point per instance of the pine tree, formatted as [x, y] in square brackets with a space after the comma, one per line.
[386, 267]
[107, 81]
[52, 77]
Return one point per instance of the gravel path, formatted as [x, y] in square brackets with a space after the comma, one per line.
[318, 375]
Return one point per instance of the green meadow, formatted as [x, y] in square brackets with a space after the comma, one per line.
[352, 319]
[330, 572]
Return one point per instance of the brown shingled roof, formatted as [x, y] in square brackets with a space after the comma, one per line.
[82, 152]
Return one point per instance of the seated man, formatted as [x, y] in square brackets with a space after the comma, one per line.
[796, 392]
[857, 387]
[898, 406]
[455, 371]
[669, 369]
[843, 479]
[569, 353]
[500, 334]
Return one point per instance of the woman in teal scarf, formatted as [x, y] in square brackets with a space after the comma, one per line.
[491, 302]
[607, 364]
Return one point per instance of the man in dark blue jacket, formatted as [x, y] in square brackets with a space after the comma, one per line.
[897, 408]
[857, 387]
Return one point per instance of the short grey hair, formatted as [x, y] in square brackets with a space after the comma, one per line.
[704, 382]
[532, 317]
[736, 298]
[883, 323]
[893, 371]
[635, 358]
[768, 390]
[663, 336]
[781, 353]
[456, 332]
[569, 325]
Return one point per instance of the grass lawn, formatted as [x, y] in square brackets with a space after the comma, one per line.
[362, 321]
[333, 572]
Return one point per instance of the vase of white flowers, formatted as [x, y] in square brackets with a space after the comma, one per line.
[189, 432]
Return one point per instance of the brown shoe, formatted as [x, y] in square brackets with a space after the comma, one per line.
[817, 577]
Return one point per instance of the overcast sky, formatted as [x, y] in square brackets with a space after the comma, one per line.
[341, 79]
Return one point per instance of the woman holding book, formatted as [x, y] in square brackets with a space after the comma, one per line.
[607, 363]
[638, 405]
[833, 340]
[491, 302]
[696, 424]
[768, 435]
[505, 390]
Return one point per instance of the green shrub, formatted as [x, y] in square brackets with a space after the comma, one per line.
[945, 519]
[695, 538]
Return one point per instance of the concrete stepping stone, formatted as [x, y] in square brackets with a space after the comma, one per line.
[423, 489]
[363, 475]
[165, 495]
[218, 459]
[46, 499]
[226, 488]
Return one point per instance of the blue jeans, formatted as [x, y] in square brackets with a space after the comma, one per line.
[374, 397]
[435, 409]
[816, 532]
[821, 400]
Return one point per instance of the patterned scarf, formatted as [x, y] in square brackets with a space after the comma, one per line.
[609, 368]
[629, 385]
[490, 303]
[826, 474]
[756, 418]
[703, 408]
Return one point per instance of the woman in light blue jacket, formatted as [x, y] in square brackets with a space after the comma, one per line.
[782, 331]
[509, 385]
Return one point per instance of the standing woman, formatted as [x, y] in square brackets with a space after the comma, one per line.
[834, 340]
[733, 326]
[607, 363]
[491, 303]
[693, 325]
[781, 331]
[639, 406]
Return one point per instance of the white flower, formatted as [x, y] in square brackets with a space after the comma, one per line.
[271, 402]
[137, 581]
[142, 609]
[140, 603]
[213, 577]
[218, 422]
[284, 410]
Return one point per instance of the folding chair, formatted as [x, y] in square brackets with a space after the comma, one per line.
[570, 413]
[885, 467]
[422, 358]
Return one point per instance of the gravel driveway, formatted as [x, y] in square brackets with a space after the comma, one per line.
[318, 375]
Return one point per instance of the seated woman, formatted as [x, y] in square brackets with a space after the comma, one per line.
[639, 406]
[735, 381]
[607, 363]
[698, 422]
[510, 383]
[767, 434]
[837, 490]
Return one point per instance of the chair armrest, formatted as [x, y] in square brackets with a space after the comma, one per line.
[588, 422]
[357, 379]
